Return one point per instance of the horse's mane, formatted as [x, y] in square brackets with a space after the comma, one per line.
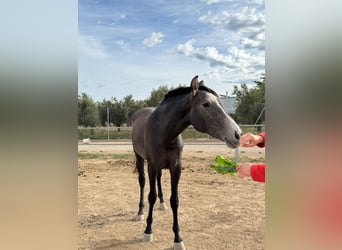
[186, 90]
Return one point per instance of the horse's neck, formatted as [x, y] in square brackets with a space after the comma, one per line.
[176, 119]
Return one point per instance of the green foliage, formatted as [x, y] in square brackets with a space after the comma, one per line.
[129, 107]
[119, 111]
[102, 109]
[224, 166]
[250, 103]
[156, 96]
[88, 115]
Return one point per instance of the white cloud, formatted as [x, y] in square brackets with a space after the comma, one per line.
[260, 2]
[253, 37]
[209, 54]
[186, 48]
[250, 43]
[209, 2]
[246, 17]
[235, 59]
[219, 74]
[216, 1]
[214, 58]
[247, 61]
[248, 22]
[155, 38]
[90, 46]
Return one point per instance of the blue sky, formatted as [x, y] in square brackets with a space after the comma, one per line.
[134, 46]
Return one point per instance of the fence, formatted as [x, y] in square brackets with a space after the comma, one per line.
[125, 133]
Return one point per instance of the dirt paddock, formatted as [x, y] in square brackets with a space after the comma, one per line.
[215, 211]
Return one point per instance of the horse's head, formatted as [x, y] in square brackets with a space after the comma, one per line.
[208, 116]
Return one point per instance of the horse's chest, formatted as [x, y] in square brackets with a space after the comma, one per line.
[164, 157]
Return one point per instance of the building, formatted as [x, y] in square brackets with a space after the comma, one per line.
[229, 103]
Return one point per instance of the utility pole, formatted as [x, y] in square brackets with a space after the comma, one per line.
[108, 123]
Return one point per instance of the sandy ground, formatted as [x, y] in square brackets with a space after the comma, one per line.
[215, 211]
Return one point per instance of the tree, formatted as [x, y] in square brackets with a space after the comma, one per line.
[102, 109]
[250, 103]
[120, 111]
[117, 113]
[127, 105]
[156, 96]
[88, 115]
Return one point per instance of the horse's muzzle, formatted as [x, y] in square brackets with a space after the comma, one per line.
[232, 144]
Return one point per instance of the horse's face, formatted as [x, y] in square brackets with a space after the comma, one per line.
[208, 116]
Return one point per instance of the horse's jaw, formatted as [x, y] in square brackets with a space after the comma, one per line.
[231, 144]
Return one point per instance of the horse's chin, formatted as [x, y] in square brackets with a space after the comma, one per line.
[230, 144]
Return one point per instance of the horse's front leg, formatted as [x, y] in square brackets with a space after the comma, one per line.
[140, 168]
[175, 175]
[152, 197]
[160, 192]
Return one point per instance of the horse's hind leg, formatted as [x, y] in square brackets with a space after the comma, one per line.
[140, 168]
[160, 192]
[175, 175]
[152, 197]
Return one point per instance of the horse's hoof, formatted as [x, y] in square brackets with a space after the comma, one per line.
[162, 206]
[179, 246]
[139, 217]
[148, 238]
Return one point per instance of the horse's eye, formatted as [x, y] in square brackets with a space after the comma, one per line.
[205, 104]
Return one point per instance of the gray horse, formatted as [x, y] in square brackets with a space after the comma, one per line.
[157, 138]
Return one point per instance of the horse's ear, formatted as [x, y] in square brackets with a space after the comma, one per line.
[194, 85]
[201, 83]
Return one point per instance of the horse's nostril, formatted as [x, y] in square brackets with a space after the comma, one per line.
[237, 135]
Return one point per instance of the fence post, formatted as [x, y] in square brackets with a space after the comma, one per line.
[237, 155]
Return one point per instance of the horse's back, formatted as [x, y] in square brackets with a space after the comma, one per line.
[139, 120]
[142, 112]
